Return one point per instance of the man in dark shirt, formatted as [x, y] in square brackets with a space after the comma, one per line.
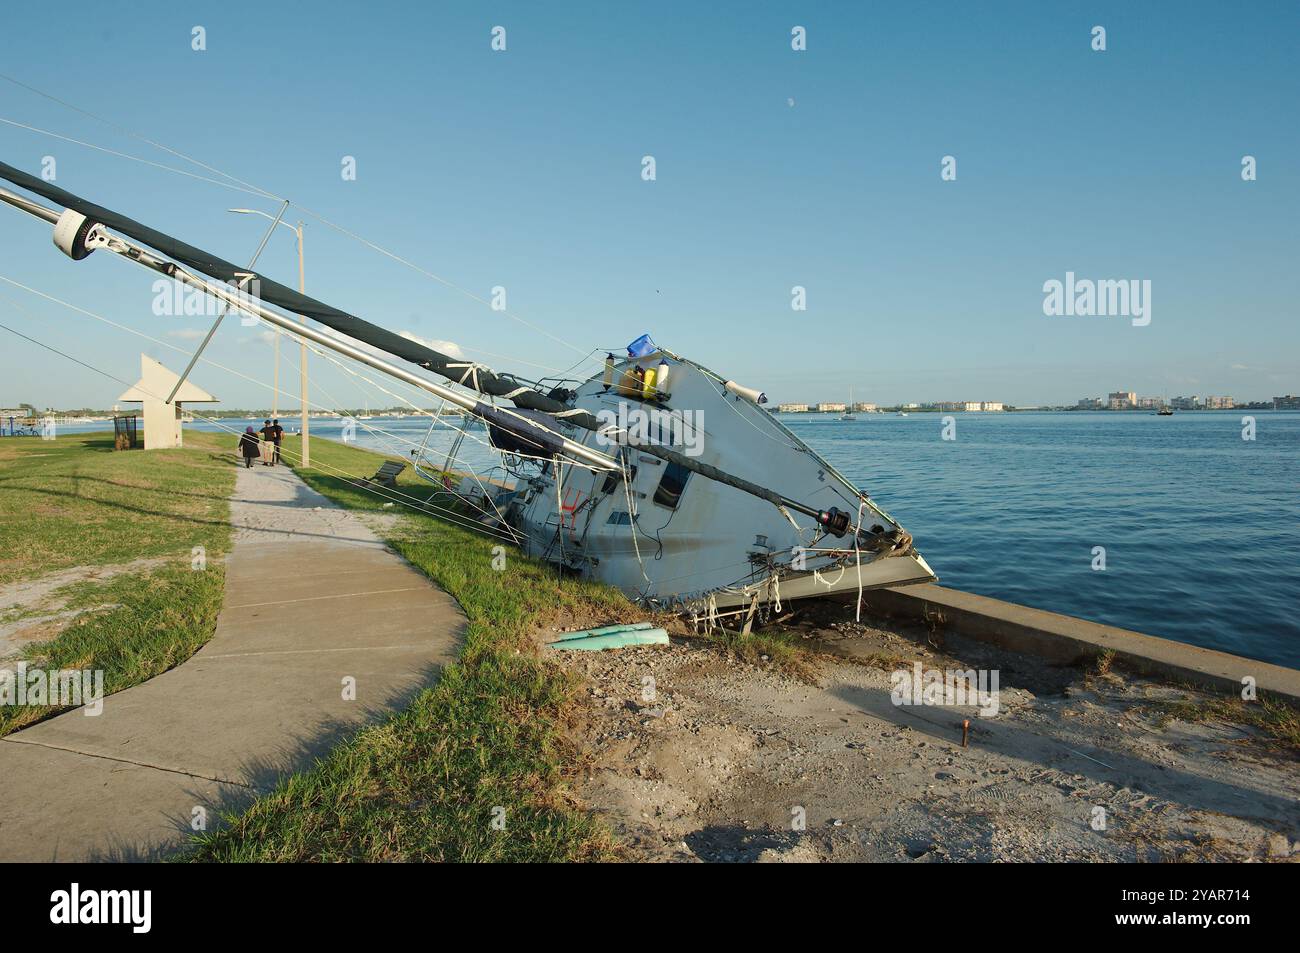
[276, 436]
[268, 435]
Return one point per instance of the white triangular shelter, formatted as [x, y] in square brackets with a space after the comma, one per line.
[162, 422]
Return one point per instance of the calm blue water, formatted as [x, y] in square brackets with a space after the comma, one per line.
[1201, 528]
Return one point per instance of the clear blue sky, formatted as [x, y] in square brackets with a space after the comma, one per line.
[522, 169]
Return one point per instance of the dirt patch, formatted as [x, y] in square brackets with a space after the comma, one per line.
[36, 611]
[697, 755]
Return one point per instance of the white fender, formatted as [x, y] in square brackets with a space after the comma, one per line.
[751, 395]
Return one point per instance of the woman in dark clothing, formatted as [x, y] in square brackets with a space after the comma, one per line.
[249, 446]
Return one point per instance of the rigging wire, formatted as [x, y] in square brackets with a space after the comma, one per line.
[122, 155]
[857, 493]
[303, 209]
[207, 360]
[136, 135]
[462, 433]
[487, 494]
[396, 496]
[55, 350]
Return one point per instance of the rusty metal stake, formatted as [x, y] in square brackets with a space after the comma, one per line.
[965, 732]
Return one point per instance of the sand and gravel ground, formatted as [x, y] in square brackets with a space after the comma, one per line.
[723, 758]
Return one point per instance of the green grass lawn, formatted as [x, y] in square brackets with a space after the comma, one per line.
[483, 743]
[74, 502]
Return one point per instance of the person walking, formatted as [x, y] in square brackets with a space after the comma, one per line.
[268, 450]
[277, 436]
[249, 446]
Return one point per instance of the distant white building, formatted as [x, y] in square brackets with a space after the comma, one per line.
[991, 405]
[1219, 403]
[792, 408]
[1186, 403]
[831, 408]
[1122, 400]
[1091, 403]
[864, 408]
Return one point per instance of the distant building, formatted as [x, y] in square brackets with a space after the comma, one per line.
[792, 408]
[1286, 403]
[1186, 403]
[1091, 403]
[911, 406]
[1219, 403]
[831, 408]
[864, 408]
[991, 405]
[1122, 400]
[1149, 403]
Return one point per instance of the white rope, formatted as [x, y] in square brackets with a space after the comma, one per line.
[857, 553]
[817, 577]
[471, 374]
[559, 507]
[631, 516]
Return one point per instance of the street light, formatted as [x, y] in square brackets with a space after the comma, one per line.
[302, 361]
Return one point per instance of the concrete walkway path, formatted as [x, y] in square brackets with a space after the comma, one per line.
[313, 599]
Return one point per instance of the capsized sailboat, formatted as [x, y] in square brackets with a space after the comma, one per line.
[658, 476]
[676, 535]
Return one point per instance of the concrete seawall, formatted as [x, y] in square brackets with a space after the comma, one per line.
[1069, 640]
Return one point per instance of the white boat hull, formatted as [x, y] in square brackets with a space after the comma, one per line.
[677, 539]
